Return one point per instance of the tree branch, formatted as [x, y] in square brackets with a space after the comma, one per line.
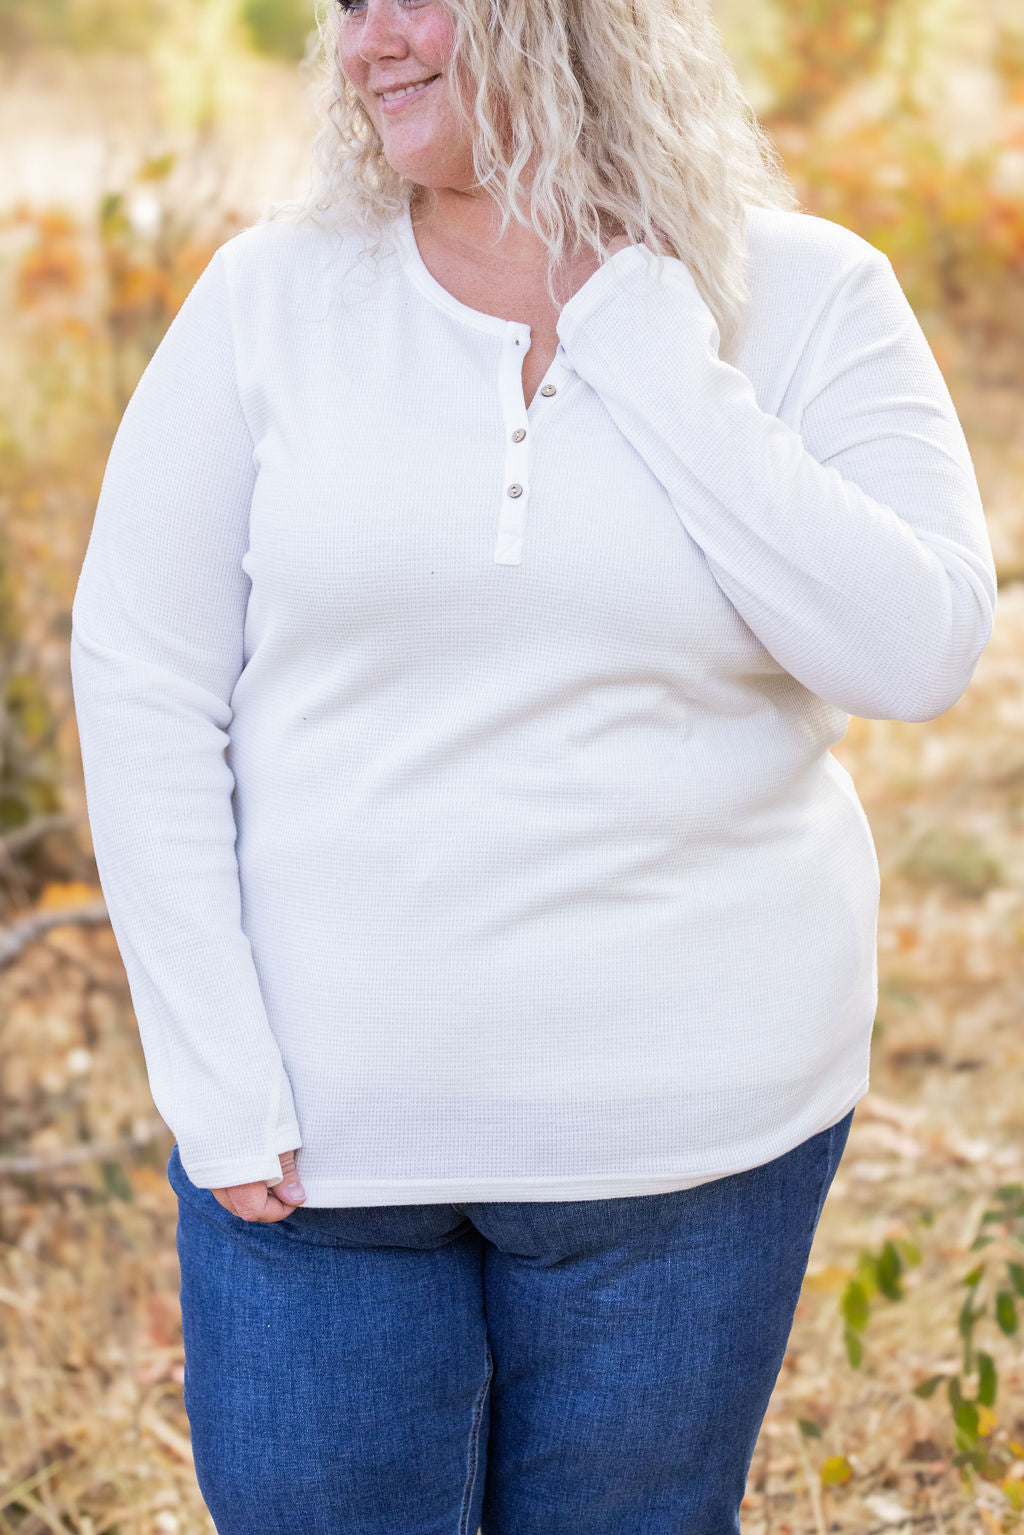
[17, 937]
[17, 841]
[89, 1152]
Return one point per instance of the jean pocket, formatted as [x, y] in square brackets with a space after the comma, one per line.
[204, 1201]
[178, 1178]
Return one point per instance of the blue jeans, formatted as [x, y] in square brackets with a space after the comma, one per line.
[579, 1367]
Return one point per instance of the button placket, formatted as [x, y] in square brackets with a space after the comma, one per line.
[508, 549]
[516, 485]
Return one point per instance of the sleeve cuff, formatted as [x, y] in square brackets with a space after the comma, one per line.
[599, 287]
[628, 269]
[224, 1175]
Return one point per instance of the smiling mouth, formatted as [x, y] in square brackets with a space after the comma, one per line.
[391, 100]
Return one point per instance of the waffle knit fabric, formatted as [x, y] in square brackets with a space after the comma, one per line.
[459, 772]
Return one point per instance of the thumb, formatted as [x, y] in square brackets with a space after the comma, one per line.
[289, 1190]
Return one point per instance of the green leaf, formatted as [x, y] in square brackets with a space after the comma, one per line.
[965, 1323]
[156, 167]
[1014, 1490]
[928, 1387]
[889, 1270]
[1006, 1312]
[809, 1428]
[954, 1392]
[909, 1251]
[115, 1182]
[113, 220]
[1010, 1191]
[966, 1418]
[1016, 1272]
[854, 1305]
[867, 1273]
[973, 1279]
[979, 1243]
[987, 1380]
[854, 1347]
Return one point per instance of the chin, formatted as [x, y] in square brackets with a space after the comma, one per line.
[407, 165]
[427, 169]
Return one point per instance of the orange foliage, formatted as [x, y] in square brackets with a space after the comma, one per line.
[137, 286]
[53, 265]
[952, 225]
[822, 46]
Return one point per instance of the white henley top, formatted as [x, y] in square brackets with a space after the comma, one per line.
[459, 772]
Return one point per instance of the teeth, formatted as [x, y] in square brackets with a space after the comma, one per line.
[394, 95]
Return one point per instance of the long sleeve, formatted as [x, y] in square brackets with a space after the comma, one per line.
[855, 548]
[156, 647]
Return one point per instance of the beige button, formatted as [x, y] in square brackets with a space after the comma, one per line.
[518, 434]
[515, 490]
[548, 389]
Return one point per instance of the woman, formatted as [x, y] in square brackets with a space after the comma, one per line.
[457, 653]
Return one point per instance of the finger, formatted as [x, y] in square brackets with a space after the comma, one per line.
[247, 1200]
[252, 1202]
[289, 1187]
[276, 1208]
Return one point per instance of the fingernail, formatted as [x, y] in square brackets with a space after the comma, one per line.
[295, 1192]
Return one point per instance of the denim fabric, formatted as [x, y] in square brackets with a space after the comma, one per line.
[586, 1367]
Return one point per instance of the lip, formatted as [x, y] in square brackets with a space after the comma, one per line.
[402, 101]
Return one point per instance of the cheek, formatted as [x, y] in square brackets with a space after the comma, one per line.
[435, 42]
[347, 54]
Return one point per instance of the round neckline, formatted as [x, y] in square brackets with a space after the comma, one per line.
[438, 294]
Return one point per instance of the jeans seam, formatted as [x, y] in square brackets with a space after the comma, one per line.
[474, 1435]
[825, 1186]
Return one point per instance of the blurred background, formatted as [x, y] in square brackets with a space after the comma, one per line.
[135, 137]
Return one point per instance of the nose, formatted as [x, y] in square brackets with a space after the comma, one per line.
[380, 35]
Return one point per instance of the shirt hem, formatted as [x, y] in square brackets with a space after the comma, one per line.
[348, 1193]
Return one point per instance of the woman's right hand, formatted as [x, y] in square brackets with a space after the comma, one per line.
[255, 1202]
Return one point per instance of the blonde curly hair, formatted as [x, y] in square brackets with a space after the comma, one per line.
[630, 111]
